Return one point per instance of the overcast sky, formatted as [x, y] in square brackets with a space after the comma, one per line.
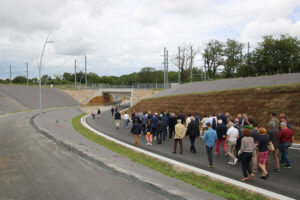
[122, 36]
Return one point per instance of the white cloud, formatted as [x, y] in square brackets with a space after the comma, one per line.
[124, 35]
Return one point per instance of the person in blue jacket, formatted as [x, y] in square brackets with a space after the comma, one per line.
[210, 136]
[154, 121]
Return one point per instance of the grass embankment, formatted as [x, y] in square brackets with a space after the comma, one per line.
[203, 182]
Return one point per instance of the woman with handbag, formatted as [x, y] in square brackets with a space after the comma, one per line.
[273, 133]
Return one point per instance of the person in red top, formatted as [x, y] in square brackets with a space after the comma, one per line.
[286, 139]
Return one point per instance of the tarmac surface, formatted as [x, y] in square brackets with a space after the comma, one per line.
[56, 125]
[285, 182]
[19, 98]
[234, 83]
[59, 163]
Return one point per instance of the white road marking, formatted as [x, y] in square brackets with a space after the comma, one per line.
[189, 167]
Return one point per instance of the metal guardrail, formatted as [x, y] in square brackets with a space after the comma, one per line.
[134, 86]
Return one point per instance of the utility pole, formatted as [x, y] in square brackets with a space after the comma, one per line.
[27, 73]
[10, 74]
[178, 65]
[85, 71]
[165, 50]
[205, 69]
[75, 74]
[248, 59]
[167, 68]
[191, 63]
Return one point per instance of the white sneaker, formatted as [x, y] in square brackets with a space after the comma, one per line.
[230, 163]
[235, 161]
[150, 144]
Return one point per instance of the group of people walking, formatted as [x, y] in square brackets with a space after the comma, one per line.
[242, 138]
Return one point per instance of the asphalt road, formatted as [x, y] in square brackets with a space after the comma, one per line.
[285, 182]
[34, 167]
[233, 83]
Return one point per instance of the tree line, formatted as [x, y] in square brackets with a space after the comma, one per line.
[227, 59]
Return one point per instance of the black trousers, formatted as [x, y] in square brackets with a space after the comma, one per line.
[246, 159]
[209, 154]
[237, 147]
[159, 137]
[154, 131]
[171, 131]
[144, 129]
[192, 139]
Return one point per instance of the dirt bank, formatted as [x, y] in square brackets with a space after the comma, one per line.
[257, 103]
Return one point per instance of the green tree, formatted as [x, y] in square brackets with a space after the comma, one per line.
[146, 75]
[233, 53]
[19, 80]
[287, 52]
[212, 56]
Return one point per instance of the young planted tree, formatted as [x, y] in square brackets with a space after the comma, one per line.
[186, 60]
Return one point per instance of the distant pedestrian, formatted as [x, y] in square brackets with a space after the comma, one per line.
[112, 111]
[126, 120]
[263, 152]
[149, 133]
[178, 137]
[181, 116]
[203, 122]
[136, 131]
[172, 123]
[98, 113]
[245, 153]
[255, 136]
[210, 136]
[285, 119]
[273, 133]
[160, 130]
[154, 121]
[188, 119]
[192, 133]
[274, 119]
[93, 114]
[232, 136]
[197, 118]
[221, 133]
[165, 119]
[222, 117]
[117, 119]
[238, 141]
[213, 121]
[144, 123]
[286, 139]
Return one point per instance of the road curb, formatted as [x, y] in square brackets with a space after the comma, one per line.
[189, 167]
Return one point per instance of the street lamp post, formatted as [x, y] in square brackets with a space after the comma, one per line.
[40, 68]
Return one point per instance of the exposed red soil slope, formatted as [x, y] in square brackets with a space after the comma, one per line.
[101, 100]
[257, 103]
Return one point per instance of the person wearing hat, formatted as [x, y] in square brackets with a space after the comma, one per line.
[221, 133]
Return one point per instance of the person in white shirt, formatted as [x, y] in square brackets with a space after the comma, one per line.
[204, 121]
[232, 136]
[188, 120]
[126, 120]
